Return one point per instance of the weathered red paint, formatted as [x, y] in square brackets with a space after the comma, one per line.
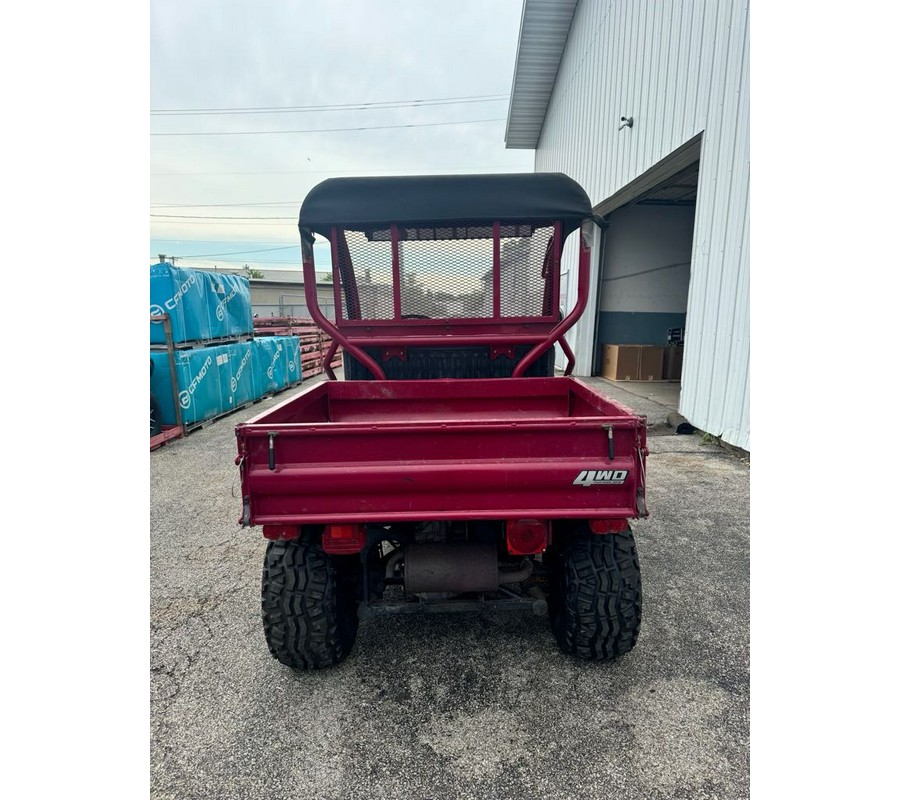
[390, 451]
[527, 451]
[608, 525]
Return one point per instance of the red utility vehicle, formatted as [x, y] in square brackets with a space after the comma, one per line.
[450, 470]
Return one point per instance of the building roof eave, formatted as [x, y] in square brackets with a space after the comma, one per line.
[543, 31]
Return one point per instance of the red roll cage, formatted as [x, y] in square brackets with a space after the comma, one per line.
[518, 205]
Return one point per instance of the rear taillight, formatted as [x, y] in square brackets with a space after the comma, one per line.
[526, 537]
[608, 525]
[343, 539]
[281, 532]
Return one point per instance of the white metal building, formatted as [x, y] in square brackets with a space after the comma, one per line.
[645, 103]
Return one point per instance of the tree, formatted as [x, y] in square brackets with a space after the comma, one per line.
[253, 273]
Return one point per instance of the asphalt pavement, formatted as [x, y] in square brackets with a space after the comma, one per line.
[452, 706]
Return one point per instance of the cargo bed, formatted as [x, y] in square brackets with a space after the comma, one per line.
[392, 451]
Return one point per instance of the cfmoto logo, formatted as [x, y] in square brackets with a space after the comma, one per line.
[220, 309]
[156, 311]
[172, 303]
[271, 370]
[186, 396]
[237, 375]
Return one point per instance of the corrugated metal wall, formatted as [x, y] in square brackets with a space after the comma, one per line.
[680, 68]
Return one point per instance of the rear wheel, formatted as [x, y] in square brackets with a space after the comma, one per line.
[595, 595]
[309, 604]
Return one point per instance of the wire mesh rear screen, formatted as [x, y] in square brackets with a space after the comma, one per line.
[446, 273]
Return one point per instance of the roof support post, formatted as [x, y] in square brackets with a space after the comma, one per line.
[496, 271]
[395, 270]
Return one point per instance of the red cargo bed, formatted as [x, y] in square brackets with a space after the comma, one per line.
[390, 451]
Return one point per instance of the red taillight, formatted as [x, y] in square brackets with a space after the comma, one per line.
[526, 537]
[608, 525]
[281, 532]
[343, 539]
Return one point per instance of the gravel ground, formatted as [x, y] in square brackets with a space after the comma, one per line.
[455, 706]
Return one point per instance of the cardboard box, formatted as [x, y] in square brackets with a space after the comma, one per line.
[621, 362]
[651, 366]
[672, 360]
[632, 362]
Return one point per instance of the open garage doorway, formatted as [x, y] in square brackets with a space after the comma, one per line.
[645, 270]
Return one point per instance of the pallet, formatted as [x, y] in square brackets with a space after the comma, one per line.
[209, 420]
[200, 343]
[318, 369]
[167, 435]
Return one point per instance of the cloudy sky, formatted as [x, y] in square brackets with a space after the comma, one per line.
[417, 63]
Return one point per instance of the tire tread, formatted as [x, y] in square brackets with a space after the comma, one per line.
[309, 617]
[595, 603]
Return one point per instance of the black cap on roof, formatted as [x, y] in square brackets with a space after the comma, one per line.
[366, 203]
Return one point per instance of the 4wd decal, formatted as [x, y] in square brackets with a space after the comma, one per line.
[598, 477]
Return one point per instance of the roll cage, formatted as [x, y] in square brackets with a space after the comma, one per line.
[447, 261]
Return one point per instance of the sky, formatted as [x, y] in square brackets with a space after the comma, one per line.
[407, 62]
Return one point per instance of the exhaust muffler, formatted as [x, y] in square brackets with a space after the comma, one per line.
[456, 568]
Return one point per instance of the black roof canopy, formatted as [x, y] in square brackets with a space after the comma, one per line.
[367, 203]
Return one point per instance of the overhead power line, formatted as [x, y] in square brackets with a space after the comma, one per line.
[403, 170]
[334, 130]
[242, 252]
[193, 216]
[325, 106]
[223, 205]
[377, 106]
[220, 221]
[219, 241]
[295, 262]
